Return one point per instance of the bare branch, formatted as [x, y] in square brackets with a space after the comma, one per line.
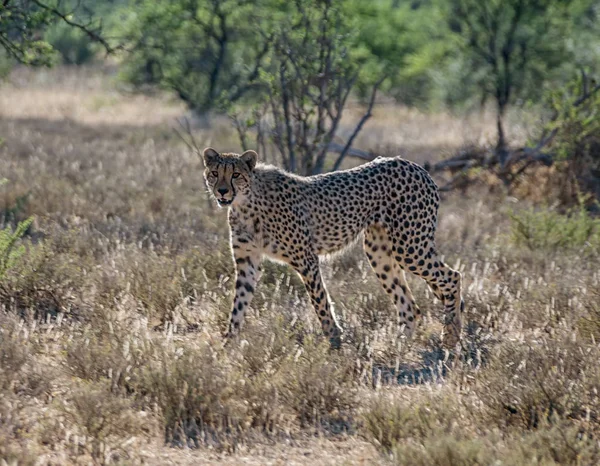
[242, 130]
[94, 35]
[586, 96]
[360, 124]
[287, 118]
[352, 152]
[186, 127]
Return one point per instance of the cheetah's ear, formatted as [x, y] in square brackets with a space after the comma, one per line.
[250, 158]
[209, 155]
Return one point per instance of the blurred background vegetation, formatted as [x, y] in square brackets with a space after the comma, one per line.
[223, 55]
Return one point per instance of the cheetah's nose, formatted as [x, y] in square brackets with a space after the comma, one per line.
[223, 191]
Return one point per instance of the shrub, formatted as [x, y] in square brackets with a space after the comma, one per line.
[107, 421]
[573, 135]
[445, 450]
[48, 280]
[561, 444]
[391, 421]
[12, 423]
[319, 386]
[546, 381]
[14, 353]
[10, 249]
[197, 395]
[111, 348]
[20, 370]
[548, 229]
[74, 46]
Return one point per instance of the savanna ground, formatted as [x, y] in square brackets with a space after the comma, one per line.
[111, 319]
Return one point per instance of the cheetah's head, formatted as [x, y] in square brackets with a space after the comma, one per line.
[228, 175]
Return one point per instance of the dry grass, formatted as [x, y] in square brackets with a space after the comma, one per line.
[110, 333]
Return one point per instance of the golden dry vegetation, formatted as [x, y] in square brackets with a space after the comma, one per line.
[111, 318]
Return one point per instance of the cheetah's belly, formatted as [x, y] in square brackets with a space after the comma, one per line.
[340, 227]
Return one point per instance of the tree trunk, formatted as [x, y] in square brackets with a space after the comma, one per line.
[501, 148]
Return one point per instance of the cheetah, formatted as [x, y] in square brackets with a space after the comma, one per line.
[391, 202]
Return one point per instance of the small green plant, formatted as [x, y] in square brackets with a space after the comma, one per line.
[548, 229]
[10, 249]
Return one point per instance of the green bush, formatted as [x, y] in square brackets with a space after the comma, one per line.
[548, 229]
[10, 249]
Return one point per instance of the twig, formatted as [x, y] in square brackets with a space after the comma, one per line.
[185, 126]
[360, 124]
[94, 35]
[353, 152]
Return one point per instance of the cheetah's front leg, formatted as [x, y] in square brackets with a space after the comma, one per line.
[247, 263]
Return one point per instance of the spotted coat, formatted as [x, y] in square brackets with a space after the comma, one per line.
[392, 202]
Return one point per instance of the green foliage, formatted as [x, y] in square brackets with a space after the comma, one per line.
[10, 250]
[23, 24]
[575, 109]
[403, 40]
[311, 70]
[548, 229]
[74, 46]
[5, 66]
[19, 23]
[203, 51]
[510, 45]
[231, 58]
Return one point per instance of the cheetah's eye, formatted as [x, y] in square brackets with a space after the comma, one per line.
[236, 175]
[215, 174]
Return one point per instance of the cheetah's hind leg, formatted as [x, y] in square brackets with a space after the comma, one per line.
[378, 248]
[446, 284]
